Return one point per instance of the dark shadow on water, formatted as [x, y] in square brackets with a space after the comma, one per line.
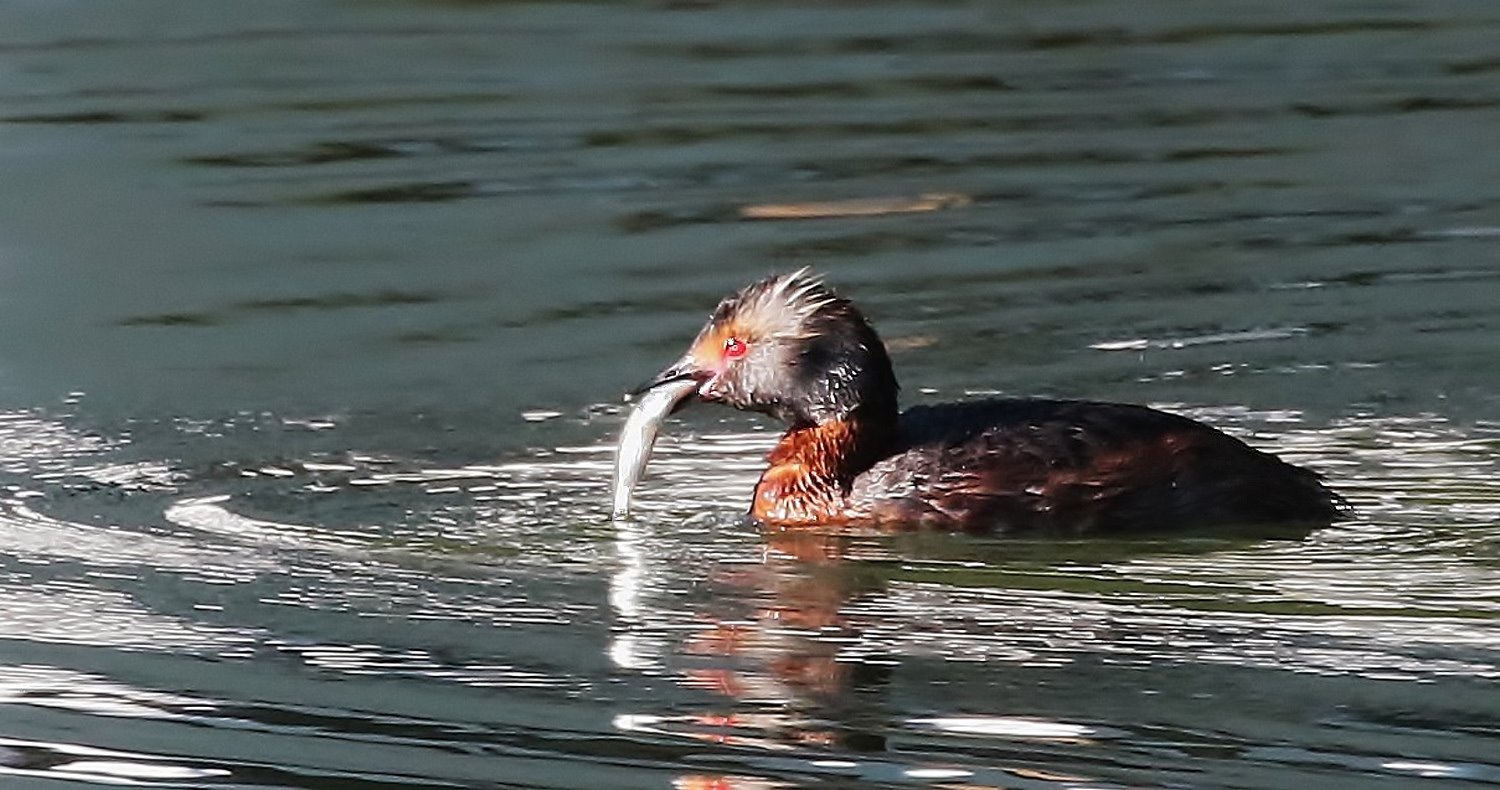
[433, 192]
[339, 300]
[1031, 551]
[969, 41]
[98, 117]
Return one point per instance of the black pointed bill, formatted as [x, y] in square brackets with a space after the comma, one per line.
[682, 370]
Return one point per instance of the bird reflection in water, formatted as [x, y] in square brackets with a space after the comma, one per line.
[817, 648]
[806, 674]
[783, 662]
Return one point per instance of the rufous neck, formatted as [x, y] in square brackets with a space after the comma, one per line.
[835, 451]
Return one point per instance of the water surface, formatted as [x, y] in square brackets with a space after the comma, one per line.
[314, 318]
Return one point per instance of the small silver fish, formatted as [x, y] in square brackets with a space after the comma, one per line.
[639, 435]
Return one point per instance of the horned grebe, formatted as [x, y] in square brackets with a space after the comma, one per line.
[789, 347]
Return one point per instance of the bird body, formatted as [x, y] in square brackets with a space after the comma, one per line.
[789, 347]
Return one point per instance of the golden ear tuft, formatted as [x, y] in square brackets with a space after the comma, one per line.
[783, 305]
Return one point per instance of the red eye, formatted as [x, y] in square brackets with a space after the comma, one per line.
[734, 348]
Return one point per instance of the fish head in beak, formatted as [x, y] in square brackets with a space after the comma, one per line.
[706, 370]
[675, 377]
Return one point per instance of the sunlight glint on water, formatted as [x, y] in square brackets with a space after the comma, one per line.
[314, 316]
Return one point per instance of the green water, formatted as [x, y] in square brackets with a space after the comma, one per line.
[314, 318]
